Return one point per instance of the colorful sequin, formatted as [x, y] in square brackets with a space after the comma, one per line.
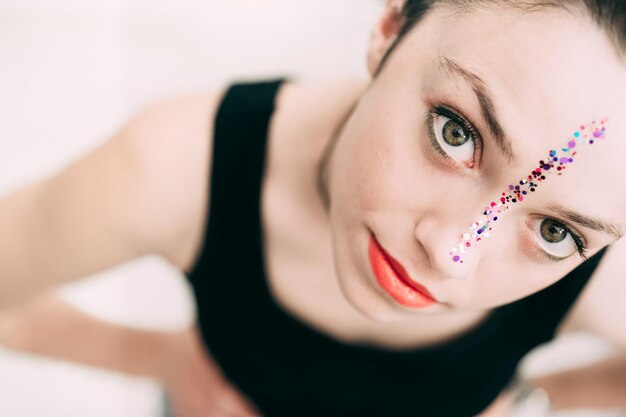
[556, 161]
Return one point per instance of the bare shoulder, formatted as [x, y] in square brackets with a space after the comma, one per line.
[172, 140]
[130, 196]
[319, 98]
[601, 309]
[316, 102]
[306, 114]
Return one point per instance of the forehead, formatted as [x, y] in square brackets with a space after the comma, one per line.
[547, 72]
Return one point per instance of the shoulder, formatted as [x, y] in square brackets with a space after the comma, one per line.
[601, 307]
[170, 144]
[316, 100]
[306, 116]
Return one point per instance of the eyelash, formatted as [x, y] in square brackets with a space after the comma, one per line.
[457, 117]
[477, 142]
[579, 240]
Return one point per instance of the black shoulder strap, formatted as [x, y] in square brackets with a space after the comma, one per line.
[238, 159]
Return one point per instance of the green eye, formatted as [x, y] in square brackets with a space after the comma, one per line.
[454, 134]
[557, 240]
[453, 137]
[553, 231]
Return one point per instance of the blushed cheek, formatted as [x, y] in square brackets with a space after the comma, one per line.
[511, 271]
[365, 191]
[370, 171]
[502, 287]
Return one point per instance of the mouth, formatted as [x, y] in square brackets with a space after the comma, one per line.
[394, 279]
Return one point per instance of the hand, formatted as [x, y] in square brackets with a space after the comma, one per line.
[195, 385]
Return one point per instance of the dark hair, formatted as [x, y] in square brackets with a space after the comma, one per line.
[610, 15]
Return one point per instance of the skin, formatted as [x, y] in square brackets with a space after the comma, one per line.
[382, 176]
[385, 177]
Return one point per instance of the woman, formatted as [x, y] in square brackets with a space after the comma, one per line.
[320, 224]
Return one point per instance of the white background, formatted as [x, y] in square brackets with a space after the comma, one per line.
[71, 73]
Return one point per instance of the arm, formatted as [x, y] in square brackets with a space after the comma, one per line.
[600, 310]
[48, 326]
[140, 192]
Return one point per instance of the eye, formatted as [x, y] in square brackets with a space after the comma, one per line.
[453, 137]
[557, 240]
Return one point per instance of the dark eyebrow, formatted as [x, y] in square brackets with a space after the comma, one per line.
[484, 100]
[594, 224]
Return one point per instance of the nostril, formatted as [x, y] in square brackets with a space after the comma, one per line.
[434, 234]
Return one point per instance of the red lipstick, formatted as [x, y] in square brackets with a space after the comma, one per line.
[394, 279]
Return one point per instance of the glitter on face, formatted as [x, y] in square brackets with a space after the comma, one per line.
[480, 228]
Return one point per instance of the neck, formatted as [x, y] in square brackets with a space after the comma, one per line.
[322, 165]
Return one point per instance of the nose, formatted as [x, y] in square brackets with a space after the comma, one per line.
[437, 236]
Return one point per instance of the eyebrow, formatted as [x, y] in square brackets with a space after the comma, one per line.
[586, 221]
[487, 108]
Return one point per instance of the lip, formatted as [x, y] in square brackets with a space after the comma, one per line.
[394, 279]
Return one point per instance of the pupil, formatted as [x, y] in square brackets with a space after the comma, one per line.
[552, 231]
[454, 134]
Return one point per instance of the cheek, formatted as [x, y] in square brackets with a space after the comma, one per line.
[377, 165]
[505, 275]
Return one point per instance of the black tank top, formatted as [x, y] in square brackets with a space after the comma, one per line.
[289, 369]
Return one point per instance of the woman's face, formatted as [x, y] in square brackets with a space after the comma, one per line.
[419, 159]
